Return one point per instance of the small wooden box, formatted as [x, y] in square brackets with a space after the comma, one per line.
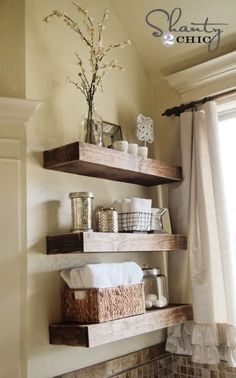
[104, 304]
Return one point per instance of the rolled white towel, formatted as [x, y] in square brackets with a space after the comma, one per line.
[141, 205]
[103, 275]
[74, 280]
[126, 205]
[117, 206]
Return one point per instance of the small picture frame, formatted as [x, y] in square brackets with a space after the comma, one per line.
[160, 221]
[111, 133]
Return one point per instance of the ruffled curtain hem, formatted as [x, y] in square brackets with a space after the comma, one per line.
[206, 343]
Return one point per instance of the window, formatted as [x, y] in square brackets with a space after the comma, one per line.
[227, 132]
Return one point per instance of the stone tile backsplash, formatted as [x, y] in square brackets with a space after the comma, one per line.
[183, 367]
[152, 362]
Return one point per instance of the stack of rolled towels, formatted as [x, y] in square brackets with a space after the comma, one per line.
[134, 214]
[103, 275]
[133, 205]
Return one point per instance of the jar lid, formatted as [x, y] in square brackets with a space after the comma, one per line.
[81, 195]
[151, 271]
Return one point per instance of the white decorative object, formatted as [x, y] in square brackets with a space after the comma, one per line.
[143, 151]
[151, 297]
[120, 145]
[148, 304]
[161, 302]
[144, 129]
[133, 148]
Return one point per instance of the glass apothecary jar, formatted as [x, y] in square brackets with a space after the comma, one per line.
[82, 208]
[155, 286]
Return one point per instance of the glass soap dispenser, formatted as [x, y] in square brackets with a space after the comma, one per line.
[155, 286]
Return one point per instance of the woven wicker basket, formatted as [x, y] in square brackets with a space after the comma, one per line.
[101, 305]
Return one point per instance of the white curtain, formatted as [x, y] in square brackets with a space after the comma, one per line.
[198, 209]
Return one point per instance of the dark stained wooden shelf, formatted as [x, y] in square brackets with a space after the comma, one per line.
[90, 160]
[114, 242]
[92, 335]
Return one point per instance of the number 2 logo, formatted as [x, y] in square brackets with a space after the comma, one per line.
[168, 39]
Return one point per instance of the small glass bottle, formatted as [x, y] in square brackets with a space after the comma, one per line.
[92, 125]
[155, 286]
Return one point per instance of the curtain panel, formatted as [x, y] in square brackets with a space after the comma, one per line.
[198, 209]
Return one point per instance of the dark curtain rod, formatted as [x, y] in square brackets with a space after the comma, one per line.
[177, 110]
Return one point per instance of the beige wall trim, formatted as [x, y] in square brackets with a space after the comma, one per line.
[9, 149]
[212, 71]
[15, 111]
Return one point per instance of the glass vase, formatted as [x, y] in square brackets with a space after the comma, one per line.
[93, 127]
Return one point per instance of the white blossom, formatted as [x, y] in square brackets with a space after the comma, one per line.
[89, 82]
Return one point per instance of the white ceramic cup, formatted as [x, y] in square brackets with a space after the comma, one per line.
[133, 148]
[120, 145]
[143, 151]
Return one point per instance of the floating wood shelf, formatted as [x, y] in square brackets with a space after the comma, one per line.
[114, 242]
[92, 335]
[90, 160]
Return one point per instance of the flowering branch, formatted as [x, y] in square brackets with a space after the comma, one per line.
[93, 39]
[77, 86]
[68, 21]
[87, 21]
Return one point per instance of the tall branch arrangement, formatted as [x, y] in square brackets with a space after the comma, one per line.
[88, 82]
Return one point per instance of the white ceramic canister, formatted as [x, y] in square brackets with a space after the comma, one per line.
[120, 145]
[143, 152]
[133, 148]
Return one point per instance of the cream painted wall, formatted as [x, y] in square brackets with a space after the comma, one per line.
[166, 145]
[49, 59]
[167, 148]
[12, 42]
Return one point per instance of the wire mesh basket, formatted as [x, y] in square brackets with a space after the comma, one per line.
[134, 222]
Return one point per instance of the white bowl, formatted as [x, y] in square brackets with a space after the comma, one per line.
[120, 145]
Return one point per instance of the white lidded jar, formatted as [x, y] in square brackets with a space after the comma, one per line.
[155, 286]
